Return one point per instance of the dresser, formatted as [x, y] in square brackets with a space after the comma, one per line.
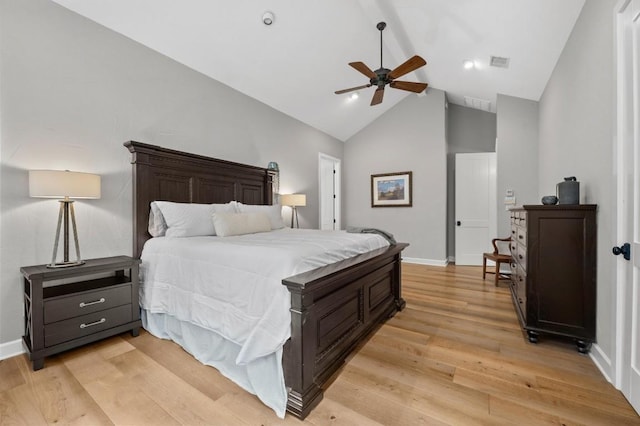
[69, 307]
[553, 271]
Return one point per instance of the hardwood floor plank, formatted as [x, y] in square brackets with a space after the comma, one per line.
[433, 387]
[178, 398]
[370, 404]
[10, 374]
[330, 412]
[531, 397]
[58, 396]
[17, 408]
[172, 357]
[125, 402]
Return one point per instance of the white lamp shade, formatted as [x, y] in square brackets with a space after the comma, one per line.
[63, 183]
[296, 200]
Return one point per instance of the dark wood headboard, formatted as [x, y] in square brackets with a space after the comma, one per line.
[170, 175]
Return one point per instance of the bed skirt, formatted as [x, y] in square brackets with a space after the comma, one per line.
[263, 377]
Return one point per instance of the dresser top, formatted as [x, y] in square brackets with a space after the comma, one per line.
[556, 207]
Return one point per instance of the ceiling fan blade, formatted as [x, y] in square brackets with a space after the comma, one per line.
[360, 66]
[339, 92]
[377, 96]
[409, 86]
[409, 65]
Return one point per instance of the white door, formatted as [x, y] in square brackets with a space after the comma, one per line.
[475, 207]
[628, 199]
[329, 178]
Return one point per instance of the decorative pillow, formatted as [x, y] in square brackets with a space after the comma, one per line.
[190, 219]
[274, 213]
[157, 225]
[228, 224]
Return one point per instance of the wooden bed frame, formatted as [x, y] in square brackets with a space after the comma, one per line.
[333, 308]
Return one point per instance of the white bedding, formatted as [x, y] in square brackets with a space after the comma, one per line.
[233, 287]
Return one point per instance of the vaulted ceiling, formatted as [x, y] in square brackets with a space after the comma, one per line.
[296, 64]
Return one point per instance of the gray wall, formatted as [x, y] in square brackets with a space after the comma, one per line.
[468, 130]
[576, 136]
[73, 92]
[517, 155]
[409, 137]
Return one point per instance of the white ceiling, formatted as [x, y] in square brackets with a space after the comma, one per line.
[297, 63]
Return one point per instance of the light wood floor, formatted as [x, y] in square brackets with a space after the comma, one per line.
[454, 356]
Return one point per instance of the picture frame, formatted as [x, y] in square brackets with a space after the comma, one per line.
[391, 189]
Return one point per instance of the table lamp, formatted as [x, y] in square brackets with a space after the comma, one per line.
[65, 185]
[294, 201]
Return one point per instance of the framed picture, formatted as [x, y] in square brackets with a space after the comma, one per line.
[391, 190]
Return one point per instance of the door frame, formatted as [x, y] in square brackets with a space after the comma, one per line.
[624, 134]
[337, 186]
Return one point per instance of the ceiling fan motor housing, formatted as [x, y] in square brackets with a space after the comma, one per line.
[382, 77]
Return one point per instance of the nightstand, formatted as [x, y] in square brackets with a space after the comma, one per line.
[68, 307]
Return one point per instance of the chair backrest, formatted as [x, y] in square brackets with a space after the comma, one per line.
[501, 245]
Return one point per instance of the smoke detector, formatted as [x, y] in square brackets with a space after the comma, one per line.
[268, 18]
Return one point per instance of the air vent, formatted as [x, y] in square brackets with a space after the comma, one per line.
[497, 61]
[476, 103]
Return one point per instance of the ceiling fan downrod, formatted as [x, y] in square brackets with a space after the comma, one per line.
[381, 26]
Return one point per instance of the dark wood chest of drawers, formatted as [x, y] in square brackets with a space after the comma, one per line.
[553, 271]
[69, 307]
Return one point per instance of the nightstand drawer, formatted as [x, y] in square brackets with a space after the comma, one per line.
[60, 308]
[84, 325]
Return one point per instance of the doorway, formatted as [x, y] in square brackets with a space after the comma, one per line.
[329, 182]
[475, 198]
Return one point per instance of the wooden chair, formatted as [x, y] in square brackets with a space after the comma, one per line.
[498, 258]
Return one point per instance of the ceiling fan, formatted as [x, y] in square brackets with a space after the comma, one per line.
[383, 76]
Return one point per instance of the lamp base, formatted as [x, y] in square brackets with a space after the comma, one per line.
[66, 264]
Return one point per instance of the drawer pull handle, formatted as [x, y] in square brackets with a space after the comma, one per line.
[83, 325]
[95, 302]
[520, 256]
[520, 236]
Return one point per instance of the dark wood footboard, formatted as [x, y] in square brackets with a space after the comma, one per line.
[333, 309]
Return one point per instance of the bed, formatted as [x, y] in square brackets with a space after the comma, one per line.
[332, 308]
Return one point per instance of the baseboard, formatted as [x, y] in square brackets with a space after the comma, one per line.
[430, 262]
[602, 361]
[9, 349]
[451, 259]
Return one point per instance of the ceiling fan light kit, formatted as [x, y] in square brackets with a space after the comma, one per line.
[383, 76]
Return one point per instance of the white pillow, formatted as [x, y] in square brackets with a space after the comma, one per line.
[157, 225]
[190, 219]
[274, 213]
[228, 224]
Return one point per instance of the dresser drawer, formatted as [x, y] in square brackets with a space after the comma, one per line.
[521, 289]
[521, 255]
[84, 325]
[521, 235]
[64, 307]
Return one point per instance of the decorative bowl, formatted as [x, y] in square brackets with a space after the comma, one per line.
[549, 200]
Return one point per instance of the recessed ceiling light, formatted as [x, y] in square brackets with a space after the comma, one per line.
[354, 96]
[468, 64]
[268, 18]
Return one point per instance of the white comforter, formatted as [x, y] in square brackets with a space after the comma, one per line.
[233, 285]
